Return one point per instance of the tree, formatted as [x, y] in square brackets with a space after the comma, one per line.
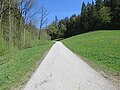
[52, 30]
[56, 21]
[28, 9]
[10, 24]
[105, 15]
[93, 17]
[99, 4]
[27, 6]
[68, 28]
[115, 10]
[43, 19]
[89, 14]
[1, 16]
[1, 10]
[84, 18]
[62, 29]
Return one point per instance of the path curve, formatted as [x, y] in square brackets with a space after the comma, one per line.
[63, 70]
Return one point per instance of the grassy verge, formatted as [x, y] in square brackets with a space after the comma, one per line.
[17, 66]
[101, 48]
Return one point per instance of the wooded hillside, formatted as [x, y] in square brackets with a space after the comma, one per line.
[18, 24]
[98, 15]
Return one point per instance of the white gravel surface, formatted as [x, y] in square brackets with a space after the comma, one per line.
[63, 70]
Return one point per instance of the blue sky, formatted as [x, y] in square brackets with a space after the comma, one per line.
[62, 8]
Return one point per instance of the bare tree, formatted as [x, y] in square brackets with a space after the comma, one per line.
[43, 19]
[26, 6]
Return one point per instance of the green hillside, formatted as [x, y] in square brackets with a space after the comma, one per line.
[17, 67]
[102, 48]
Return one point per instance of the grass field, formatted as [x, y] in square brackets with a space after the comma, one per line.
[101, 48]
[16, 67]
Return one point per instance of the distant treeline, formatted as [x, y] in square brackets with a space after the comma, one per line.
[98, 15]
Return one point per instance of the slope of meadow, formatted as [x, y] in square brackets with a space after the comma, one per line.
[101, 48]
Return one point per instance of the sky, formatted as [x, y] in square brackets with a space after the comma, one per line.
[62, 8]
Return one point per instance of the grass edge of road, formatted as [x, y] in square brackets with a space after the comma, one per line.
[30, 74]
[20, 66]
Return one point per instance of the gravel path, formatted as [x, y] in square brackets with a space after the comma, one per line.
[63, 70]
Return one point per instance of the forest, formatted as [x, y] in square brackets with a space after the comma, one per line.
[98, 15]
[22, 43]
[18, 28]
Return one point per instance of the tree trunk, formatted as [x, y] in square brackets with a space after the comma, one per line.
[40, 31]
[13, 29]
[2, 6]
[10, 28]
[1, 16]
[24, 37]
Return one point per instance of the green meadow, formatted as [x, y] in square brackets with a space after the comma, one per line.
[101, 48]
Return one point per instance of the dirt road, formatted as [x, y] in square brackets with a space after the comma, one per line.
[63, 70]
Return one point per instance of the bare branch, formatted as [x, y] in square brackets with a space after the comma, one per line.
[43, 18]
